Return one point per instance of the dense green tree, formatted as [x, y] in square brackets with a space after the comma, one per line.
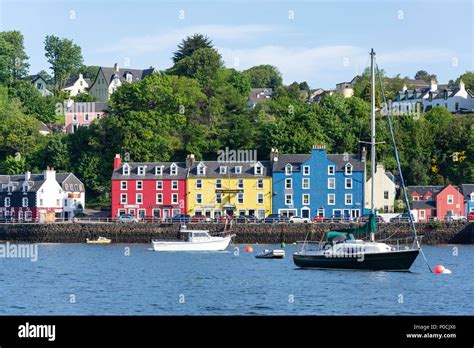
[467, 78]
[87, 71]
[13, 59]
[13, 165]
[190, 45]
[65, 58]
[264, 76]
[425, 76]
[84, 97]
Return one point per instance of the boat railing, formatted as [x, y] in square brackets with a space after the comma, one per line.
[411, 242]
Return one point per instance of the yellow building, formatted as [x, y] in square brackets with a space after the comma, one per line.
[215, 189]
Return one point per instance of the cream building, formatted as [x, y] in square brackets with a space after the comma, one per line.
[385, 191]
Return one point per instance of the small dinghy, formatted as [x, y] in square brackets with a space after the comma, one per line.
[271, 254]
[100, 240]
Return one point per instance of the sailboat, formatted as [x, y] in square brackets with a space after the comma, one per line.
[342, 249]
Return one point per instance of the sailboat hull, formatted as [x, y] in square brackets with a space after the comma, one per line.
[400, 260]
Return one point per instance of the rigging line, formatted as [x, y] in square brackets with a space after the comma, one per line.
[405, 196]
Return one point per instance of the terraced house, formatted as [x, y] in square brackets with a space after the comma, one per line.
[148, 189]
[318, 184]
[233, 188]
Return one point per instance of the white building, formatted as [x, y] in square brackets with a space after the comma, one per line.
[109, 79]
[385, 190]
[76, 85]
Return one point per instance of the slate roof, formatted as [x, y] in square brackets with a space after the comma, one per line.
[423, 190]
[35, 181]
[150, 171]
[296, 161]
[258, 95]
[423, 204]
[213, 169]
[137, 74]
[43, 127]
[467, 189]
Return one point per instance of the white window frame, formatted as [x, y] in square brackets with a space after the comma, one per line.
[126, 169]
[450, 199]
[159, 185]
[422, 214]
[290, 200]
[331, 170]
[137, 200]
[308, 196]
[260, 184]
[258, 169]
[240, 198]
[346, 167]
[122, 186]
[159, 170]
[333, 196]
[223, 170]
[123, 198]
[306, 170]
[173, 183]
[306, 186]
[24, 202]
[141, 170]
[174, 169]
[288, 169]
[240, 184]
[174, 198]
[346, 196]
[348, 180]
[260, 197]
[198, 184]
[141, 185]
[290, 181]
[238, 170]
[333, 181]
[159, 198]
[201, 169]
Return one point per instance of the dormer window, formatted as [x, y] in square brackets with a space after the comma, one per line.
[128, 77]
[258, 169]
[348, 169]
[288, 169]
[174, 169]
[222, 170]
[126, 169]
[141, 170]
[201, 169]
[238, 170]
[159, 170]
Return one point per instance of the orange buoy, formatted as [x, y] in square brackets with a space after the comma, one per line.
[248, 249]
[439, 269]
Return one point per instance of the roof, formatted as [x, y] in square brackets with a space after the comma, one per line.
[423, 205]
[42, 127]
[339, 160]
[150, 171]
[258, 95]
[213, 169]
[294, 159]
[35, 181]
[33, 78]
[467, 189]
[423, 190]
[137, 74]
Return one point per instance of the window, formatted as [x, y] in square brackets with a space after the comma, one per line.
[348, 183]
[259, 198]
[74, 118]
[139, 199]
[305, 184]
[258, 169]
[260, 184]
[139, 185]
[240, 198]
[218, 183]
[174, 169]
[261, 214]
[288, 169]
[97, 116]
[222, 170]
[159, 170]
[289, 199]
[199, 198]
[86, 117]
[331, 183]
[238, 170]
[218, 198]
[123, 198]
[126, 169]
[123, 185]
[331, 170]
[41, 202]
[348, 169]
[472, 197]
[288, 183]
[305, 199]
[385, 194]
[174, 198]
[240, 184]
[201, 169]
[450, 199]
[159, 185]
[416, 198]
[28, 215]
[141, 170]
[456, 106]
[348, 199]
[305, 170]
[156, 213]
[198, 184]
[331, 199]
[7, 201]
[159, 198]
[422, 214]
[174, 185]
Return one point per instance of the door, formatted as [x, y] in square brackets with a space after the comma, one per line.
[166, 214]
[141, 213]
[251, 212]
[305, 213]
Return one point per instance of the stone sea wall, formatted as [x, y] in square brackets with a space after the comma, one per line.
[436, 233]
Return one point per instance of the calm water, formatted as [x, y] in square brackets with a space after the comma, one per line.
[105, 281]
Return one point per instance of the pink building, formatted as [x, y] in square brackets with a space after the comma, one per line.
[82, 114]
[437, 202]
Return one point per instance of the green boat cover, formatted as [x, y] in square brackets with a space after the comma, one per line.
[369, 227]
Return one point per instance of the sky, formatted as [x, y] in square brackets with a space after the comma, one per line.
[321, 42]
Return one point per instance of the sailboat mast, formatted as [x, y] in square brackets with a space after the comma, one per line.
[372, 138]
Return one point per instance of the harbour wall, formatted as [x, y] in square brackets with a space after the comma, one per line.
[433, 234]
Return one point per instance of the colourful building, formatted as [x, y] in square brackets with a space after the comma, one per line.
[146, 189]
[318, 184]
[436, 202]
[233, 188]
[468, 192]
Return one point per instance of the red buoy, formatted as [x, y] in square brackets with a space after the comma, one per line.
[439, 269]
[248, 249]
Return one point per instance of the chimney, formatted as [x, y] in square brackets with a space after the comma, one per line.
[27, 175]
[462, 86]
[80, 76]
[190, 159]
[49, 174]
[116, 68]
[364, 154]
[433, 86]
[274, 155]
[404, 88]
[117, 161]
[380, 168]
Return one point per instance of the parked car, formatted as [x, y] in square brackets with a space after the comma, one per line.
[450, 218]
[246, 219]
[404, 217]
[127, 218]
[180, 218]
[275, 218]
[201, 218]
[299, 219]
[365, 218]
[470, 217]
[318, 219]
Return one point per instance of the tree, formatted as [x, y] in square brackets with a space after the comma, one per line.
[264, 76]
[425, 76]
[65, 58]
[88, 71]
[190, 45]
[202, 65]
[84, 97]
[13, 165]
[46, 77]
[13, 59]
[468, 79]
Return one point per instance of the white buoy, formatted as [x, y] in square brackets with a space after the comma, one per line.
[446, 271]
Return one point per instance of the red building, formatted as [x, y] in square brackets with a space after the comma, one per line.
[147, 189]
[437, 202]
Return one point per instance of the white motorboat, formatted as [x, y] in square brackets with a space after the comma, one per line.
[194, 240]
[271, 254]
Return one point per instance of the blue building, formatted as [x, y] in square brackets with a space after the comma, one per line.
[318, 184]
[468, 193]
